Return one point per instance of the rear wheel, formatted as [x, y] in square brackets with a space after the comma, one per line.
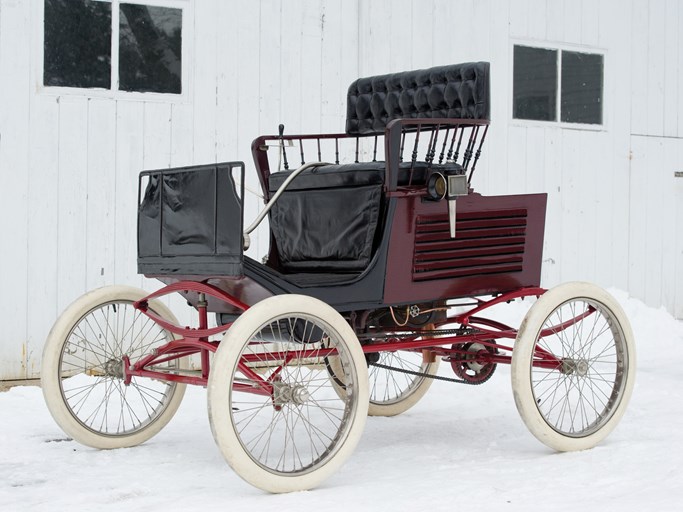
[394, 392]
[82, 370]
[273, 409]
[573, 366]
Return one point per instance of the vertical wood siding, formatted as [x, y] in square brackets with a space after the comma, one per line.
[69, 164]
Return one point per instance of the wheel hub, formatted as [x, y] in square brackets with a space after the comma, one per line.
[579, 367]
[284, 393]
[114, 368]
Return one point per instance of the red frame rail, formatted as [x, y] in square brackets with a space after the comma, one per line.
[190, 341]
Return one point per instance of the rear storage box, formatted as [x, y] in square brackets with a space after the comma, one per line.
[190, 221]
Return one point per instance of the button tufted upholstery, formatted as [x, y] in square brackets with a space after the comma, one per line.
[459, 91]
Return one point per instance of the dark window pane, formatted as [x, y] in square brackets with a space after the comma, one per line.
[77, 43]
[581, 92]
[149, 49]
[534, 83]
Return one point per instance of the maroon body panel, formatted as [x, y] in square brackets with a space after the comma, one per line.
[497, 248]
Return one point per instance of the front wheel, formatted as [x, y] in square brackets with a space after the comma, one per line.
[573, 366]
[82, 373]
[273, 409]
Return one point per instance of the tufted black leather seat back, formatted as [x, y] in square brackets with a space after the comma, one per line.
[459, 91]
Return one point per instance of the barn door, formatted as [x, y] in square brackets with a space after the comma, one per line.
[678, 179]
[656, 222]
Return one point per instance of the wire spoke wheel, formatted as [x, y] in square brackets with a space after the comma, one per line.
[573, 366]
[393, 392]
[83, 372]
[273, 409]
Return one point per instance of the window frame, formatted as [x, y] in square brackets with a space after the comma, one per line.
[560, 48]
[114, 93]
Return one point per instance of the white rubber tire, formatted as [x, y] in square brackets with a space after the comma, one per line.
[415, 387]
[53, 375]
[529, 405]
[220, 396]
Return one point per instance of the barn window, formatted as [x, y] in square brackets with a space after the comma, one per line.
[112, 44]
[555, 84]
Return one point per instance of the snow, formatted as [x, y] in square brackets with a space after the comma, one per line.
[460, 448]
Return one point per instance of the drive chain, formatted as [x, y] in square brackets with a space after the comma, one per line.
[425, 375]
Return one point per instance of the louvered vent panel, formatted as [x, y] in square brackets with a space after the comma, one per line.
[485, 243]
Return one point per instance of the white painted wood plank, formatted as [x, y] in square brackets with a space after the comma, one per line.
[228, 63]
[552, 251]
[571, 18]
[637, 217]
[639, 182]
[601, 178]
[129, 162]
[616, 38]
[182, 140]
[515, 179]
[248, 44]
[497, 164]
[519, 19]
[101, 185]
[375, 53]
[656, 42]
[311, 65]
[41, 231]
[269, 64]
[537, 20]
[349, 48]
[156, 136]
[14, 150]
[554, 11]
[479, 46]
[204, 83]
[570, 192]
[639, 60]
[666, 223]
[422, 36]
[400, 24]
[535, 160]
[655, 194]
[678, 308]
[333, 87]
[72, 190]
[679, 117]
[590, 22]
[673, 61]
[584, 165]
[364, 24]
[292, 81]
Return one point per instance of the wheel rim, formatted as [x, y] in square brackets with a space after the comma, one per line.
[579, 398]
[389, 387]
[305, 421]
[91, 370]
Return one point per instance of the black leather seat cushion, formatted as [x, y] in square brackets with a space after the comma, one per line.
[459, 91]
[327, 218]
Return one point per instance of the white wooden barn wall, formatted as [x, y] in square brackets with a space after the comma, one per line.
[69, 164]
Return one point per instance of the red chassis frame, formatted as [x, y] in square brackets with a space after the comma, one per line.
[196, 340]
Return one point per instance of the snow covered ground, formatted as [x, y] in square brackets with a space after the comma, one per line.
[460, 448]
